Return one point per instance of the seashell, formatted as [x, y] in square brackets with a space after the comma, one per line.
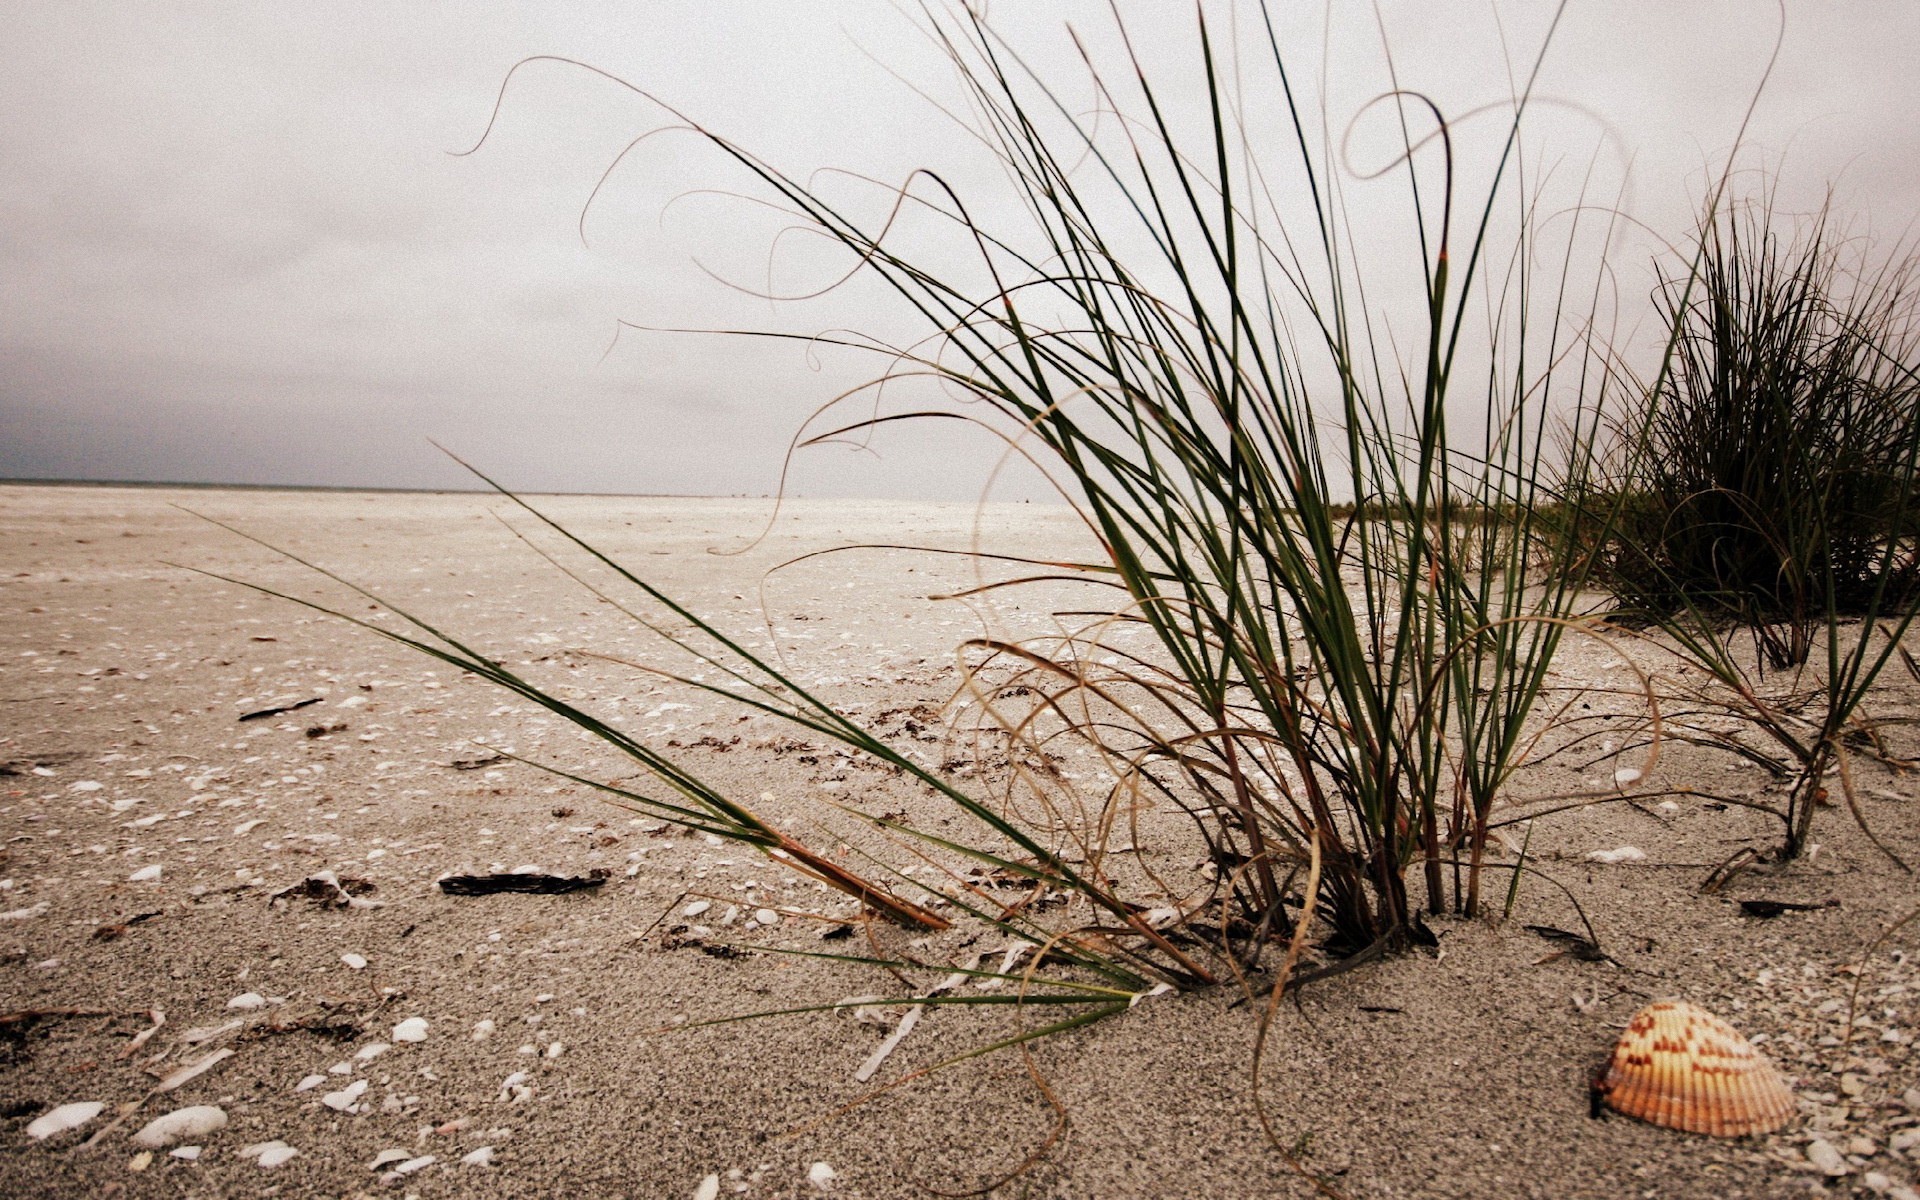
[1680, 1066]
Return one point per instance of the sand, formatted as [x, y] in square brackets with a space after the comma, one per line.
[1459, 1071]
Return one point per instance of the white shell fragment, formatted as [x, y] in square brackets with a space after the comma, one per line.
[482, 1157]
[145, 874]
[1826, 1159]
[185, 1153]
[270, 1154]
[309, 1083]
[344, 1099]
[696, 908]
[413, 1029]
[354, 962]
[1620, 854]
[483, 1029]
[767, 916]
[387, 1156]
[1626, 777]
[247, 1001]
[709, 1189]
[821, 1176]
[371, 1051]
[192, 1071]
[63, 1118]
[1680, 1066]
[179, 1125]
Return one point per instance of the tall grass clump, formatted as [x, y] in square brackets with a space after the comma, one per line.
[1314, 458]
[1764, 506]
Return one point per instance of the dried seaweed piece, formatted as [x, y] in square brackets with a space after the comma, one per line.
[259, 714]
[1680, 1066]
[521, 881]
[1582, 948]
[1773, 908]
[328, 890]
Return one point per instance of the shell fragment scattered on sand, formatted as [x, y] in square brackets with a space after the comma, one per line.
[1827, 1160]
[270, 1154]
[413, 1029]
[346, 1098]
[1680, 1066]
[179, 1125]
[63, 1118]
[411, 1165]
[1621, 854]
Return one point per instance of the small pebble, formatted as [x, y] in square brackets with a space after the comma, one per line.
[767, 916]
[247, 1001]
[145, 874]
[309, 1083]
[483, 1029]
[354, 961]
[709, 1189]
[186, 1153]
[821, 1176]
[483, 1157]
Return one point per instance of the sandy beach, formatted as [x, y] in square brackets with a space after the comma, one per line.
[145, 831]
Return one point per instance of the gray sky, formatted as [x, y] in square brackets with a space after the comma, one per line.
[234, 248]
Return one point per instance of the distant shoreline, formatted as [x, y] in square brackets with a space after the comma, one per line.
[349, 488]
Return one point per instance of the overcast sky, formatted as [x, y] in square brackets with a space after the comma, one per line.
[234, 246]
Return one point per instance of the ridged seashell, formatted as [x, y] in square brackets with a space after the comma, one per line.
[1680, 1066]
